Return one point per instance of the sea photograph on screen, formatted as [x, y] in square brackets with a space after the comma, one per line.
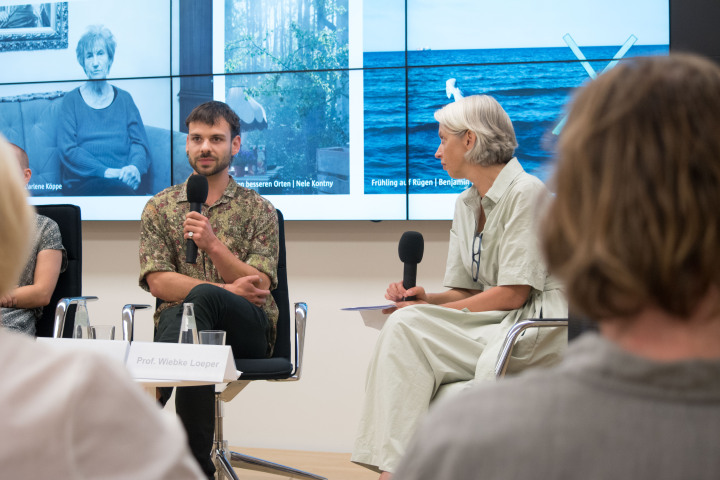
[287, 72]
[528, 55]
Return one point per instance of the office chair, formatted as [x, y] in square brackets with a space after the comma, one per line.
[504, 355]
[575, 324]
[279, 367]
[68, 290]
[69, 286]
[514, 333]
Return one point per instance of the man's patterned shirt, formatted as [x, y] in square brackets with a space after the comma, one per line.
[242, 220]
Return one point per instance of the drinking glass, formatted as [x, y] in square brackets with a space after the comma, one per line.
[102, 332]
[212, 337]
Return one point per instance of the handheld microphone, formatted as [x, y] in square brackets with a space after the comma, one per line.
[197, 192]
[410, 249]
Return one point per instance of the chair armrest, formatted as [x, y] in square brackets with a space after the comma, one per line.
[61, 311]
[300, 322]
[504, 356]
[301, 309]
[231, 389]
[128, 319]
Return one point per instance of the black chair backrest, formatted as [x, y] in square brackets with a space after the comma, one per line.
[70, 281]
[579, 324]
[282, 298]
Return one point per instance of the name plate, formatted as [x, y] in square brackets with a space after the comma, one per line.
[117, 350]
[181, 362]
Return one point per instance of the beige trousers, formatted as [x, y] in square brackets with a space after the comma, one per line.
[422, 348]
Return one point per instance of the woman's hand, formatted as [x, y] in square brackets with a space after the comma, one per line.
[247, 287]
[129, 175]
[397, 293]
[8, 301]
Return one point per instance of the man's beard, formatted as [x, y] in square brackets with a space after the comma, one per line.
[221, 164]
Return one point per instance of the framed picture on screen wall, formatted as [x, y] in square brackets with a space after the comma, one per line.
[33, 26]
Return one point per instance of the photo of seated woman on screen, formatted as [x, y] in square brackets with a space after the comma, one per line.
[101, 137]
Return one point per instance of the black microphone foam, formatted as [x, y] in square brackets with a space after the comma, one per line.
[410, 249]
[197, 192]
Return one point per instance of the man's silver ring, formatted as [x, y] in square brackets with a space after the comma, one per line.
[190, 234]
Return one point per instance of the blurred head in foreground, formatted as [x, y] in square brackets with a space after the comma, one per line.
[16, 219]
[635, 224]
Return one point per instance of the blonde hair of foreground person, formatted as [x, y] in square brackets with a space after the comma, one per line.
[638, 171]
[16, 219]
[69, 414]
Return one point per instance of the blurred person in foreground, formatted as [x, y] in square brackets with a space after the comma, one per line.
[635, 233]
[71, 415]
[22, 306]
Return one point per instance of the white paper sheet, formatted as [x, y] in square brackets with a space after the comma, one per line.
[372, 314]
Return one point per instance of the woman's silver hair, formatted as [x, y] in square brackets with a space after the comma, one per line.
[491, 125]
[16, 218]
[88, 40]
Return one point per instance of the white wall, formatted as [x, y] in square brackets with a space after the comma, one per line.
[331, 265]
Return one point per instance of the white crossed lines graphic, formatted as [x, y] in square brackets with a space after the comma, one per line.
[589, 69]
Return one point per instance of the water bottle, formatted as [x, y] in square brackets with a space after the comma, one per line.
[188, 327]
[81, 328]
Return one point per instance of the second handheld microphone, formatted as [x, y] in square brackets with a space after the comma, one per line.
[410, 249]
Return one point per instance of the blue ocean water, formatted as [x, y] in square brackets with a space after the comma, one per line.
[532, 84]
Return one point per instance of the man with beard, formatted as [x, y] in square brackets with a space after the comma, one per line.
[237, 238]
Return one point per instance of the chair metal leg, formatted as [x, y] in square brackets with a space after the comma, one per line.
[247, 462]
[223, 468]
[225, 460]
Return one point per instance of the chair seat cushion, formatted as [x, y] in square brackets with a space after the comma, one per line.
[264, 368]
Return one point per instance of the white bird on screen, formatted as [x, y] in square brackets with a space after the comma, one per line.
[452, 90]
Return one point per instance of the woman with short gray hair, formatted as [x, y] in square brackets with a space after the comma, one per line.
[102, 140]
[491, 125]
[496, 277]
